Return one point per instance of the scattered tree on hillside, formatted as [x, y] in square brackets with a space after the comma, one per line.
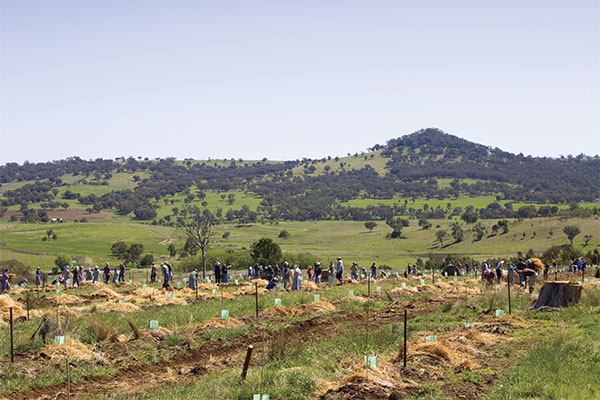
[226, 235]
[396, 224]
[479, 231]
[586, 240]
[284, 234]
[172, 250]
[457, 232]
[571, 231]
[423, 223]
[440, 236]
[370, 225]
[470, 217]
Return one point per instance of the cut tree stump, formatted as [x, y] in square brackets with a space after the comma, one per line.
[558, 294]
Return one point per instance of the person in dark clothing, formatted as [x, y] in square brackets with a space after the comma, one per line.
[520, 267]
[373, 271]
[318, 272]
[217, 271]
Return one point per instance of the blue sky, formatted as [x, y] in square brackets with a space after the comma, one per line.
[294, 79]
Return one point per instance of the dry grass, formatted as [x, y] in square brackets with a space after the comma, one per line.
[220, 323]
[280, 311]
[72, 349]
[5, 303]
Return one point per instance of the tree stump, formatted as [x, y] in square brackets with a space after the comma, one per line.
[558, 294]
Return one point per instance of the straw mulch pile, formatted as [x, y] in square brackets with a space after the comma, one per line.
[72, 348]
[220, 323]
[63, 299]
[404, 290]
[245, 290]
[280, 311]
[5, 303]
[317, 306]
[309, 286]
[121, 307]
[347, 299]
[384, 382]
[107, 294]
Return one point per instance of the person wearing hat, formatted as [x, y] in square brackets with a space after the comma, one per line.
[374, 271]
[96, 275]
[286, 274]
[339, 271]
[217, 271]
[4, 283]
[66, 274]
[107, 273]
[193, 279]
[38, 277]
[318, 272]
[354, 271]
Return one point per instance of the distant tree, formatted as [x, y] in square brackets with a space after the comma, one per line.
[396, 225]
[586, 240]
[134, 253]
[54, 237]
[470, 217]
[370, 225]
[49, 233]
[226, 235]
[423, 223]
[284, 234]
[62, 260]
[198, 226]
[265, 251]
[527, 212]
[223, 196]
[504, 225]
[230, 198]
[172, 250]
[440, 236]
[118, 249]
[495, 229]
[457, 232]
[571, 231]
[147, 260]
[144, 212]
[479, 231]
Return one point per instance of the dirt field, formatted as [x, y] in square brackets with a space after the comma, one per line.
[188, 350]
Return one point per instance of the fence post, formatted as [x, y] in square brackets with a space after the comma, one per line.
[12, 342]
[256, 296]
[246, 363]
[27, 305]
[433, 275]
[68, 380]
[509, 308]
[405, 341]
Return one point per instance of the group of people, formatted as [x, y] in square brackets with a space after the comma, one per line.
[291, 276]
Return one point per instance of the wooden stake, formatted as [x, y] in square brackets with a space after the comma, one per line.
[509, 307]
[367, 322]
[256, 296]
[12, 342]
[246, 363]
[405, 334]
[27, 305]
[68, 380]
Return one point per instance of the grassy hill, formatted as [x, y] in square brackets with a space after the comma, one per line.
[324, 239]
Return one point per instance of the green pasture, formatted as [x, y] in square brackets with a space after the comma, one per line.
[324, 239]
